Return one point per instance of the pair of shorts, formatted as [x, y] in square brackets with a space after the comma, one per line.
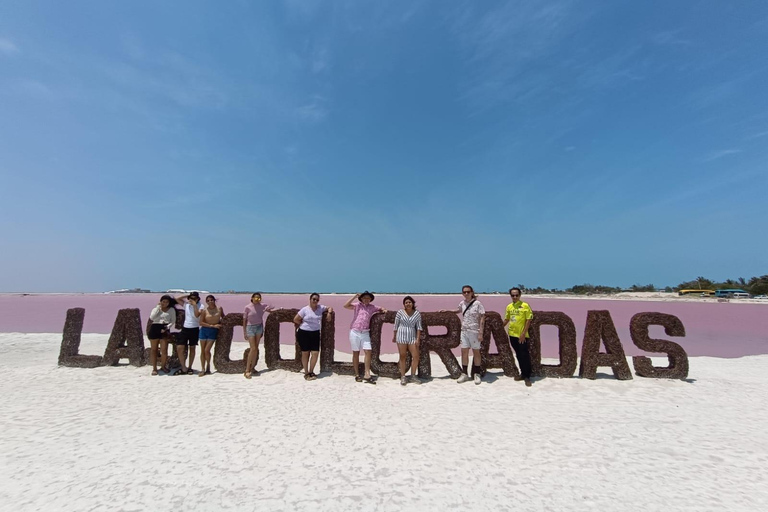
[254, 330]
[309, 341]
[188, 336]
[158, 331]
[469, 340]
[360, 340]
[208, 333]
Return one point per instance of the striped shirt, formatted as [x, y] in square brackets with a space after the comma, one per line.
[406, 326]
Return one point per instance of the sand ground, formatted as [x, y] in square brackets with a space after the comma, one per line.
[118, 439]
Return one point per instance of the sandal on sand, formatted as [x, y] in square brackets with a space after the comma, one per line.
[154, 372]
[369, 380]
[358, 378]
[307, 376]
[247, 375]
[201, 374]
[190, 371]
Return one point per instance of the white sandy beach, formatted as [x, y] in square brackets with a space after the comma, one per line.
[118, 439]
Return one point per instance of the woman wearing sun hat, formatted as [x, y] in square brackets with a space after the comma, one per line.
[360, 332]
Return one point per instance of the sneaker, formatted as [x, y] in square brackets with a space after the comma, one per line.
[463, 378]
[403, 381]
[528, 382]
[477, 378]
[415, 379]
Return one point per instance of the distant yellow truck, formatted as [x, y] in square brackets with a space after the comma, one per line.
[708, 293]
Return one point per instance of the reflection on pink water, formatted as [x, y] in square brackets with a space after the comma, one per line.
[712, 329]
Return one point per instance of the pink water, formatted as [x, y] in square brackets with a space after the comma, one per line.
[712, 329]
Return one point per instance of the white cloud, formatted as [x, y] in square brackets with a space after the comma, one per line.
[8, 47]
[720, 154]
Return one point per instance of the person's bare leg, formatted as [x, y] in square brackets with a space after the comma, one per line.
[153, 355]
[192, 353]
[403, 350]
[182, 357]
[477, 358]
[164, 353]
[209, 357]
[256, 354]
[305, 361]
[313, 361]
[356, 362]
[367, 364]
[251, 362]
[414, 358]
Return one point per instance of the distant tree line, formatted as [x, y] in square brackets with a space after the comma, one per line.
[753, 285]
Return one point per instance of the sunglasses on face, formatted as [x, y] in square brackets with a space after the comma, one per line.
[515, 294]
[466, 293]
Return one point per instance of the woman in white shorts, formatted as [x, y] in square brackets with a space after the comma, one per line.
[407, 335]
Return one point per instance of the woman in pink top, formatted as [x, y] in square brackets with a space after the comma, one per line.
[253, 330]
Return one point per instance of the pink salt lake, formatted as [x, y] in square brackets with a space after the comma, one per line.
[712, 329]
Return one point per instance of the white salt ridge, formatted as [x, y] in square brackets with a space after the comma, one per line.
[119, 439]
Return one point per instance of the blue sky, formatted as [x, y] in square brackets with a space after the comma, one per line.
[401, 145]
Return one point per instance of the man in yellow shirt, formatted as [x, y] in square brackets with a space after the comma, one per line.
[519, 315]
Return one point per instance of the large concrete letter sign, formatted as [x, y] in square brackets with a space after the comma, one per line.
[272, 341]
[378, 366]
[440, 344]
[503, 358]
[69, 355]
[600, 327]
[126, 340]
[223, 345]
[566, 335]
[328, 346]
[678, 359]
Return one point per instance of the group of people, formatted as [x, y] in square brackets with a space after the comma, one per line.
[202, 324]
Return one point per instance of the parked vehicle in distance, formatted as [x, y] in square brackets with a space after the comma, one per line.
[731, 292]
[760, 297]
[740, 295]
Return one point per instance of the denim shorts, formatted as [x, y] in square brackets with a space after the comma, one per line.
[208, 333]
[254, 330]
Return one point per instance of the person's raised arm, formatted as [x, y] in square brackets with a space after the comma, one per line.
[155, 314]
[348, 304]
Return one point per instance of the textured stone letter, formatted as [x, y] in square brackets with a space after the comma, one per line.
[566, 334]
[678, 359]
[70, 343]
[223, 344]
[272, 341]
[441, 344]
[126, 340]
[378, 366]
[600, 327]
[504, 358]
